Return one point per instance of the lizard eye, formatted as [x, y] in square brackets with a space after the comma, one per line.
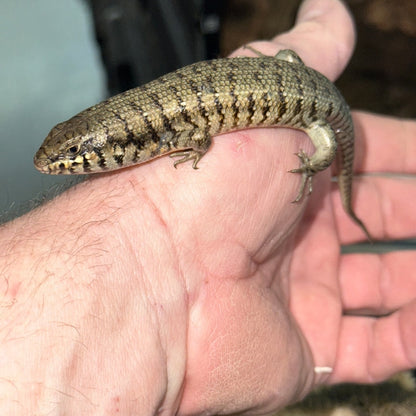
[73, 149]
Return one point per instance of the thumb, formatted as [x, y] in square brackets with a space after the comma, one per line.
[323, 37]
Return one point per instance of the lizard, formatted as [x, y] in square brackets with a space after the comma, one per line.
[179, 112]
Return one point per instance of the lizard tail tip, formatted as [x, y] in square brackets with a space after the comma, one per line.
[362, 226]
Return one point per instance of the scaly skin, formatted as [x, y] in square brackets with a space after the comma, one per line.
[178, 114]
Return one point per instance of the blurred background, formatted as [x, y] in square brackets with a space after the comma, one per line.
[50, 69]
[59, 57]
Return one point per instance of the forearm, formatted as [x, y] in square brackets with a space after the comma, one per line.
[80, 319]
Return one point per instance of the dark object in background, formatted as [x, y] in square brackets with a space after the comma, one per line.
[384, 62]
[143, 39]
[394, 397]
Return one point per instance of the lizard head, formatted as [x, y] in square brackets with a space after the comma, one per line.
[71, 147]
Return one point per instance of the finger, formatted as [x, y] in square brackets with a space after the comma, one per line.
[386, 205]
[323, 37]
[371, 349]
[384, 144]
[377, 284]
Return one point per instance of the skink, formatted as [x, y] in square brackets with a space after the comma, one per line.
[178, 114]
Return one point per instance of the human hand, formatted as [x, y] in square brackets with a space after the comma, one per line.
[208, 291]
[336, 299]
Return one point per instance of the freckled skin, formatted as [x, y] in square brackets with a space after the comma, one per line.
[180, 112]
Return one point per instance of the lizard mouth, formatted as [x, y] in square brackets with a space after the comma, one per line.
[41, 164]
[60, 166]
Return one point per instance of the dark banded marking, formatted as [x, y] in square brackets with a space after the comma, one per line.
[282, 104]
[210, 82]
[324, 90]
[124, 122]
[232, 85]
[257, 77]
[329, 110]
[314, 106]
[336, 118]
[192, 84]
[101, 158]
[135, 156]
[218, 106]
[201, 107]
[183, 110]
[166, 121]
[220, 111]
[130, 137]
[251, 104]
[119, 158]
[138, 142]
[115, 145]
[262, 64]
[234, 108]
[299, 102]
[86, 165]
[265, 108]
[154, 136]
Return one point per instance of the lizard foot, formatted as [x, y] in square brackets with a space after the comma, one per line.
[185, 155]
[307, 173]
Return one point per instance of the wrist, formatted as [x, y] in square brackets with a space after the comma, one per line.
[83, 305]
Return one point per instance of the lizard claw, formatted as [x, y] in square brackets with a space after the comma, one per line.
[307, 174]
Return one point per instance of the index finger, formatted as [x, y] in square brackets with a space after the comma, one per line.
[385, 144]
[386, 147]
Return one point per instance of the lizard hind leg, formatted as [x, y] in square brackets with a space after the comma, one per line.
[289, 56]
[307, 174]
[323, 138]
[190, 146]
[284, 54]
